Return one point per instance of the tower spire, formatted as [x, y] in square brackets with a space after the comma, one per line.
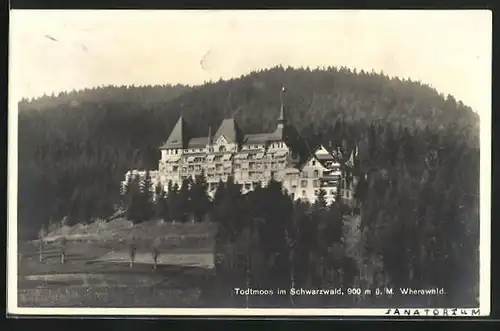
[281, 118]
[209, 135]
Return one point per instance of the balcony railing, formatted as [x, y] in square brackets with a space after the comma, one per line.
[330, 177]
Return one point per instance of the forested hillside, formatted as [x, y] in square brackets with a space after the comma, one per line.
[74, 148]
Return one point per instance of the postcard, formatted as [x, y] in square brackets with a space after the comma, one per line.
[250, 163]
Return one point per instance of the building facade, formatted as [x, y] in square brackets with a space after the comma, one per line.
[251, 159]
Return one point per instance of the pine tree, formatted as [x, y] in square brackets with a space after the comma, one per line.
[277, 212]
[184, 200]
[335, 223]
[134, 200]
[199, 197]
[220, 194]
[146, 198]
[320, 202]
[160, 203]
[173, 204]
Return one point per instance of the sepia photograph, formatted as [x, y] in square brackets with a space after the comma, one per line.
[244, 162]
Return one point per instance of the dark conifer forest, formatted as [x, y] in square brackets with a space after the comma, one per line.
[418, 167]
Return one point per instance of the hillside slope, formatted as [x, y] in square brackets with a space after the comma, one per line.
[75, 148]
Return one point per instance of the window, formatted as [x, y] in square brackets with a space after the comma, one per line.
[222, 148]
[175, 168]
[316, 192]
[332, 192]
[316, 173]
[315, 183]
[314, 162]
[303, 183]
[303, 193]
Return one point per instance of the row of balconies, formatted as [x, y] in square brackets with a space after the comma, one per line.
[218, 167]
[327, 181]
[223, 158]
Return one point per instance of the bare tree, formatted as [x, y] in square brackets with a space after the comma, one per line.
[132, 251]
[63, 243]
[41, 235]
[155, 252]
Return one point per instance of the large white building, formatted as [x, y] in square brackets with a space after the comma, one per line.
[248, 158]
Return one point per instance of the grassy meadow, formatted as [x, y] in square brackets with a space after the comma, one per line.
[97, 270]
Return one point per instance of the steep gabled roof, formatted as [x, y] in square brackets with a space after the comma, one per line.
[257, 138]
[230, 130]
[198, 142]
[179, 135]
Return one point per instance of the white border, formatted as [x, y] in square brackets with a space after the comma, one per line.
[12, 277]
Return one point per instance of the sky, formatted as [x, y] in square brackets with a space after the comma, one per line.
[52, 51]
